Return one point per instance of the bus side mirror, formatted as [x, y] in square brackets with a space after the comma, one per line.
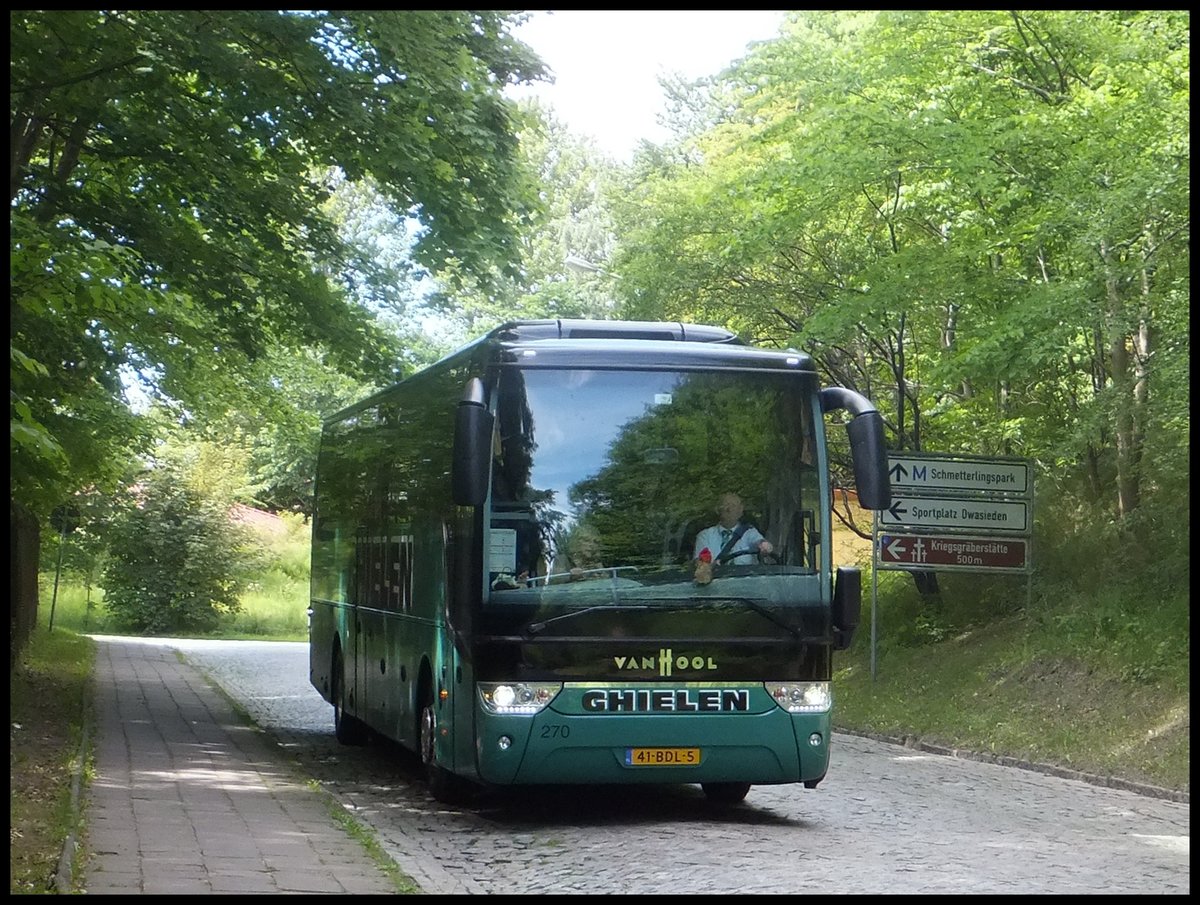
[870, 461]
[847, 606]
[866, 445]
[472, 458]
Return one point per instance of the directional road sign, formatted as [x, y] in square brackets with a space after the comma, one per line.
[956, 512]
[935, 551]
[918, 475]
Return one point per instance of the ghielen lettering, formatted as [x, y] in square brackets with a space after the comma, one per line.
[664, 700]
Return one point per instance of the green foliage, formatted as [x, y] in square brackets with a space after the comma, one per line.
[215, 469]
[566, 248]
[273, 595]
[70, 428]
[76, 607]
[177, 564]
[82, 550]
[49, 706]
[289, 554]
[280, 428]
[169, 169]
[276, 597]
[978, 218]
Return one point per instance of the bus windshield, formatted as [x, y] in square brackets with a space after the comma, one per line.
[654, 487]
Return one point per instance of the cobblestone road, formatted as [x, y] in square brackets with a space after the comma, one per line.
[887, 819]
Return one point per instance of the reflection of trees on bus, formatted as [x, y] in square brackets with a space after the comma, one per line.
[666, 467]
[516, 504]
[515, 443]
[694, 437]
[375, 466]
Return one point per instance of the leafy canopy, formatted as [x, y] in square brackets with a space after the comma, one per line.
[168, 169]
[980, 218]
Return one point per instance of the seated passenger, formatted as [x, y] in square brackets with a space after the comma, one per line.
[579, 557]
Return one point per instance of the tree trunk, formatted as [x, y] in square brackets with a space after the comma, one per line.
[24, 544]
[1143, 348]
[926, 582]
[1119, 359]
[1003, 397]
[950, 340]
[901, 396]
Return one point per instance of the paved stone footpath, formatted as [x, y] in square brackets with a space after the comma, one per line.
[187, 798]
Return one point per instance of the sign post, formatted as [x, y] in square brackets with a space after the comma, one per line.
[954, 512]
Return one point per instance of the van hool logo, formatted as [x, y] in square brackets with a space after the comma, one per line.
[665, 661]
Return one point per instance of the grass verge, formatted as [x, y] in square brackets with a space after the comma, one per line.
[49, 706]
[1096, 682]
[403, 883]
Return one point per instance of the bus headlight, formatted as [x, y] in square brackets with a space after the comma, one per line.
[801, 697]
[517, 697]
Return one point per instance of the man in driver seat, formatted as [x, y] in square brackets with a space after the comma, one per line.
[737, 542]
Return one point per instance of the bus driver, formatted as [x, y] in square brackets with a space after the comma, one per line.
[743, 540]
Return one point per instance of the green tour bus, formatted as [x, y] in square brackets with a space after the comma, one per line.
[514, 573]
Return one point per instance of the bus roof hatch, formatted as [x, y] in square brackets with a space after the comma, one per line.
[562, 328]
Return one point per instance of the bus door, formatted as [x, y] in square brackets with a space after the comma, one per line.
[428, 634]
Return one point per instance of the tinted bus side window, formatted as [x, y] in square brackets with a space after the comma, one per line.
[341, 502]
[420, 431]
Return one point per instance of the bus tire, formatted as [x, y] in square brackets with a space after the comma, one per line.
[725, 793]
[347, 729]
[443, 785]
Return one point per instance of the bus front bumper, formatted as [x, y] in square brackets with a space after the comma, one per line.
[556, 748]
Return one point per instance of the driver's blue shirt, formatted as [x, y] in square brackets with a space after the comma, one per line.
[714, 539]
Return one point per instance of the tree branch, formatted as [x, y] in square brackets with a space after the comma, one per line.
[46, 87]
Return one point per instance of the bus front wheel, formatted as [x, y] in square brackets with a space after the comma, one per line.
[443, 785]
[725, 793]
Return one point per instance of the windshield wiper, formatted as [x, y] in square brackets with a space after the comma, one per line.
[762, 611]
[536, 628]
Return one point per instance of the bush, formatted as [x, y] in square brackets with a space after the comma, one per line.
[177, 563]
